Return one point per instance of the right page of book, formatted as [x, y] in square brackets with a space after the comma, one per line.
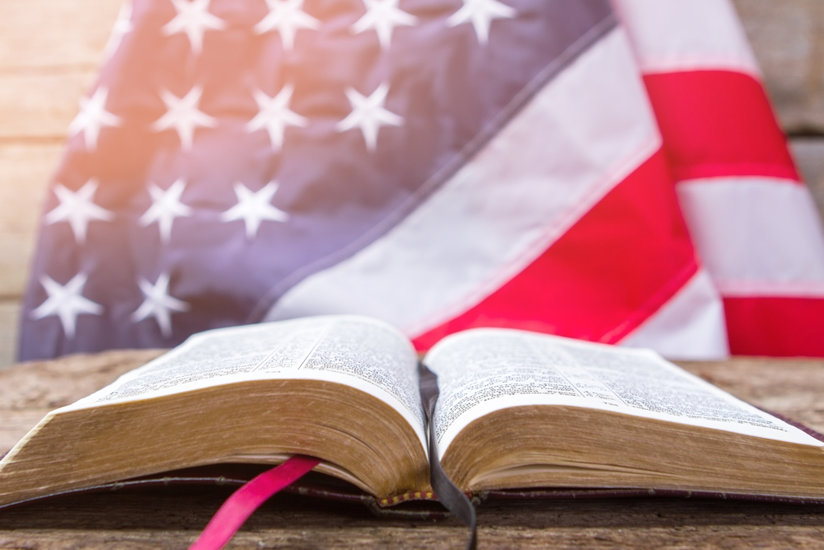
[484, 370]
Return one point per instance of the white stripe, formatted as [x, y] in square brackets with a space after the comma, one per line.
[757, 236]
[690, 326]
[681, 35]
[586, 130]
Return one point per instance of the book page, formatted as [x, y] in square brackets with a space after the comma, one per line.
[484, 370]
[359, 352]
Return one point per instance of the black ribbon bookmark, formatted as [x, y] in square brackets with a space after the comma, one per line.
[452, 498]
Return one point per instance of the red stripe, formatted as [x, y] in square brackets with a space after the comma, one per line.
[718, 123]
[775, 326]
[606, 275]
[243, 502]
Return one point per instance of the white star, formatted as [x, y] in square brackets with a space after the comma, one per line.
[481, 13]
[158, 303]
[67, 302]
[369, 114]
[77, 208]
[166, 206]
[92, 116]
[183, 115]
[383, 16]
[275, 115]
[253, 207]
[287, 17]
[122, 26]
[193, 18]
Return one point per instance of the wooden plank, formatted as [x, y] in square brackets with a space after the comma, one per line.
[809, 155]
[45, 35]
[788, 40]
[9, 316]
[171, 519]
[50, 58]
[38, 106]
[27, 169]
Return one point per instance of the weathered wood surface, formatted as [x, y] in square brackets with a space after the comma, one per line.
[172, 517]
[50, 53]
[788, 40]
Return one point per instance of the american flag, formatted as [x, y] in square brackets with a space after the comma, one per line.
[603, 170]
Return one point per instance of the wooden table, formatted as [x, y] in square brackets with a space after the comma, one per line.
[172, 517]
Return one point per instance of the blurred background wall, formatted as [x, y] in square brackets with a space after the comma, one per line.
[50, 52]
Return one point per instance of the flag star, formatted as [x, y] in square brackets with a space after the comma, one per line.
[67, 302]
[275, 115]
[166, 206]
[77, 208]
[92, 116]
[122, 26]
[158, 303]
[287, 17]
[183, 115]
[369, 114]
[253, 207]
[193, 19]
[481, 13]
[383, 16]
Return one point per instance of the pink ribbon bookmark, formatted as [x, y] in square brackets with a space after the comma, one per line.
[243, 502]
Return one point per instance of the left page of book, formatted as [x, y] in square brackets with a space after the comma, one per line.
[360, 352]
[340, 388]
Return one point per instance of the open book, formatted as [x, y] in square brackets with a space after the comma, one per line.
[516, 410]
